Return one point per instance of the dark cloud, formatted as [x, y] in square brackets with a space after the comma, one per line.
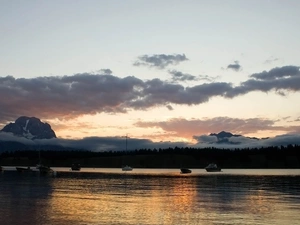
[179, 76]
[282, 79]
[160, 61]
[71, 96]
[245, 142]
[67, 97]
[105, 71]
[169, 107]
[277, 73]
[158, 92]
[96, 144]
[99, 144]
[236, 66]
[206, 139]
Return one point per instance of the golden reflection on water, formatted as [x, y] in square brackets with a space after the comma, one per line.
[133, 206]
[167, 200]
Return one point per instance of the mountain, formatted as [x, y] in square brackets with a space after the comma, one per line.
[30, 128]
[223, 137]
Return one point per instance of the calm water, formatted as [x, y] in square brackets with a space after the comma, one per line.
[110, 196]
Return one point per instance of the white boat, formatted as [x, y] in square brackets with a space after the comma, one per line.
[126, 168]
[212, 167]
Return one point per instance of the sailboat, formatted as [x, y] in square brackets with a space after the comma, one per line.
[126, 168]
[43, 169]
[212, 167]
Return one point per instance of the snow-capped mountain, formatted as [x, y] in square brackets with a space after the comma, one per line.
[30, 128]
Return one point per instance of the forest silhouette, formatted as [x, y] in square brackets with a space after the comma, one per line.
[264, 157]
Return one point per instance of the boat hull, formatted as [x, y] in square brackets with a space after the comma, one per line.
[185, 170]
[76, 167]
[126, 168]
[45, 170]
[213, 169]
[22, 169]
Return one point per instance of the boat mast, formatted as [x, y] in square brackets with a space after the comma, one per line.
[126, 142]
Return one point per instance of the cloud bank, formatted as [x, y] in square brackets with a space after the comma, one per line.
[100, 144]
[65, 97]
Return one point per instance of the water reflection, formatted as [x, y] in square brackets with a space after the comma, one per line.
[23, 197]
[128, 198]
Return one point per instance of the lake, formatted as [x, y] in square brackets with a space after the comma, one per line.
[150, 196]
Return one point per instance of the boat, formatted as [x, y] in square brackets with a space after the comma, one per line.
[76, 167]
[45, 169]
[212, 167]
[23, 169]
[185, 170]
[38, 165]
[126, 168]
[42, 168]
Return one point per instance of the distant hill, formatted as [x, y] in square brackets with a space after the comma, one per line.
[224, 137]
[30, 128]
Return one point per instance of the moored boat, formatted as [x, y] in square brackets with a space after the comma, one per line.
[76, 167]
[45, 169]
[126, 168]
[23, 169]
[212, 167]
[185, 170]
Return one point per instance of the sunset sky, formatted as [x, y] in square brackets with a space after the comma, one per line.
[161, 71]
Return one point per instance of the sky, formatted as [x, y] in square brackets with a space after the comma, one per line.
[159, 72]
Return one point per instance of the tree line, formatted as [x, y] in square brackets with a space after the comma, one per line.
[264, 157]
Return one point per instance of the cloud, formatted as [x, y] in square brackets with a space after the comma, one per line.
[5, 136]
[206, 139]
[193, 127]
[271, 60]
[100, 144]
[105, 71]
[241, 142]
[160, 61]
[169, 107]
[157, 93]
[97, 144]
[236, 66]
[280, 79]
[179, 76]
[68, 97]
[277, 73]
